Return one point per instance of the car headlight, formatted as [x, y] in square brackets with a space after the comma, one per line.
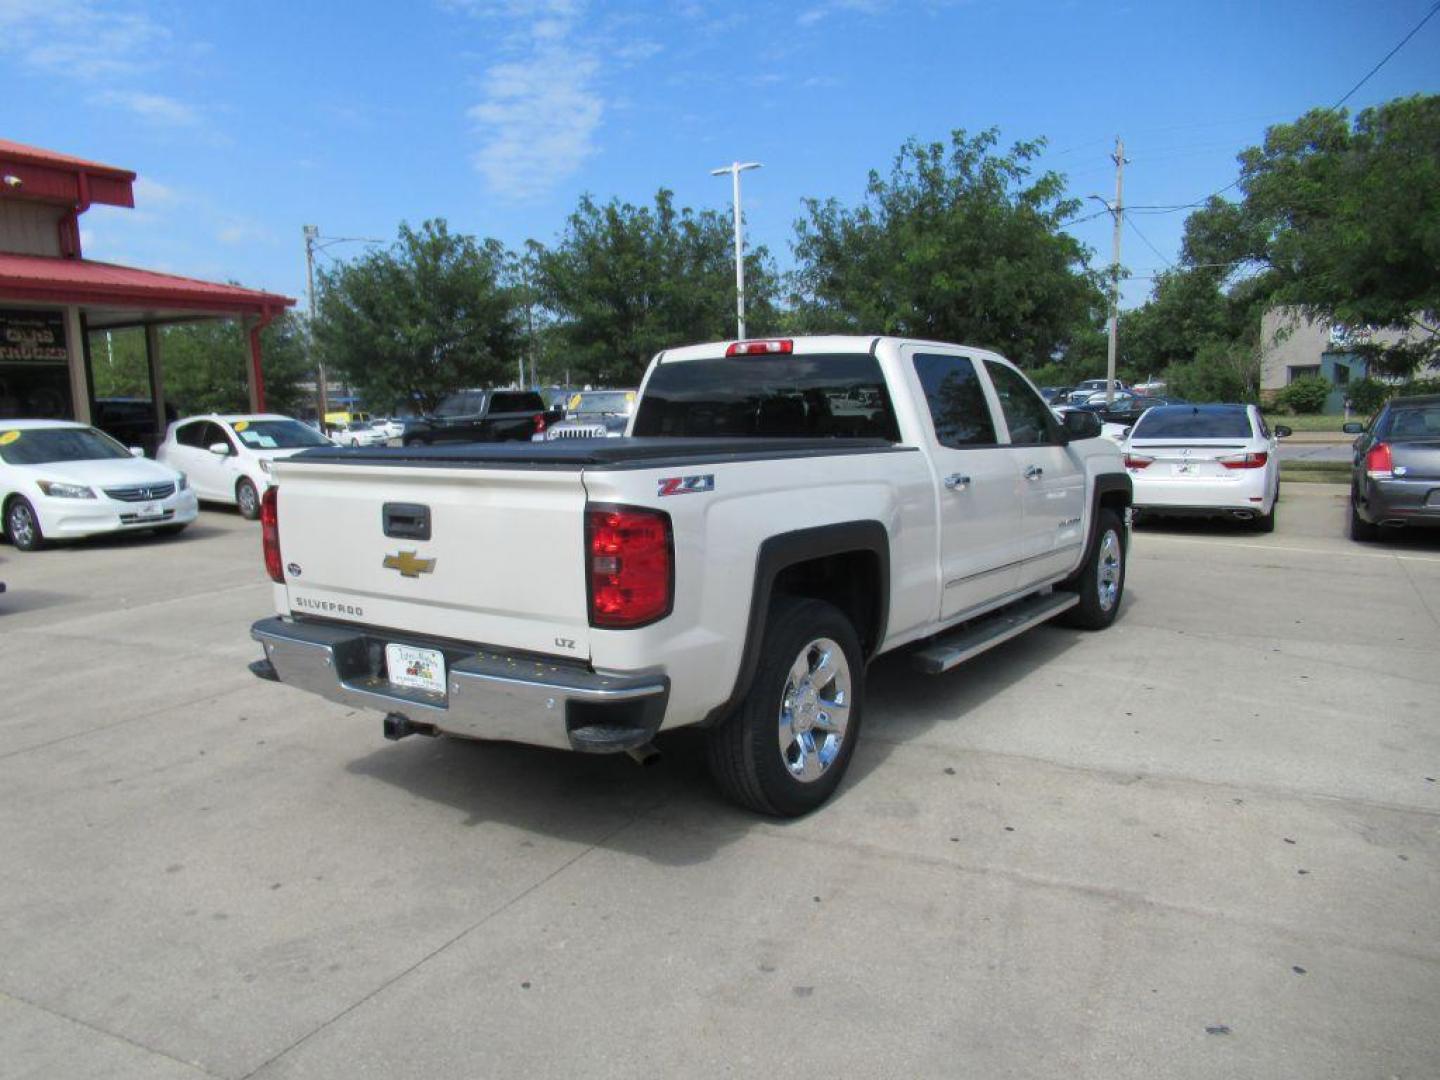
[265, 466]
[182, 483]
[57, 490]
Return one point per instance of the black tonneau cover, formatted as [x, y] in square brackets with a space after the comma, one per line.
[625, 453]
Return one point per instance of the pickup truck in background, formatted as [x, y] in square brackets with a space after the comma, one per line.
[780, 513]
[482, 416]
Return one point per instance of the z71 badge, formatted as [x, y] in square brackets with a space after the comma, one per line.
[687, 485]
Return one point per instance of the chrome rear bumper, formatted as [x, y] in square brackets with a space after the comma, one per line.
[489, 695]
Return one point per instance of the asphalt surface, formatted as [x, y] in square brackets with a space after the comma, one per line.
[1203, 843]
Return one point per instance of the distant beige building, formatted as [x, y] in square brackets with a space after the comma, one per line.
[1293, 345]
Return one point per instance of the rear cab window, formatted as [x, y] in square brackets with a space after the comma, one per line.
[1194, 422]
[830, 395]
[516, 402]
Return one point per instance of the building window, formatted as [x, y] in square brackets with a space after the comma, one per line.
[1300, 371]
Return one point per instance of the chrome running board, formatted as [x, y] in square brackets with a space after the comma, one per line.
[974, 638]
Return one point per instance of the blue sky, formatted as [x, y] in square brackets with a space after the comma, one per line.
[248, 120]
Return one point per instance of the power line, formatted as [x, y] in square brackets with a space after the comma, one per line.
[1176, 207]
[1148, 244]
[1428, 16]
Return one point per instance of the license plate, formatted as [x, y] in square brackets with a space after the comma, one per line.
[149, 510]
[416, 669]
[1184, 470]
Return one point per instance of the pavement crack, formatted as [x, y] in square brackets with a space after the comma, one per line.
[107, 1033]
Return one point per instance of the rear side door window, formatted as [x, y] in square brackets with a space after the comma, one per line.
[958, 406]
[1029, 419]
[192, 435]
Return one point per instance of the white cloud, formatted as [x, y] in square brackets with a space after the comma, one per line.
[541, 106]
[811, 16]
[79, 38]
[154, 108]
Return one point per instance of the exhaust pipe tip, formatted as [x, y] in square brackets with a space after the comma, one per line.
[644, 756]
[1243, 515]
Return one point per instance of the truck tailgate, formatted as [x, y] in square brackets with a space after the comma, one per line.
[503, 564]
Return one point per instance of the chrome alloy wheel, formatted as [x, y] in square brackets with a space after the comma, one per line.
[1107, 577]
[22, 525]
[814, 710]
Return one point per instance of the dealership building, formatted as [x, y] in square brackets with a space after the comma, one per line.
[52, 298]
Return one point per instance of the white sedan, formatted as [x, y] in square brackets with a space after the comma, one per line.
[228, 457]
[61, 480]
[1205, 460]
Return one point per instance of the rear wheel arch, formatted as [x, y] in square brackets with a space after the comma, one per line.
[846, 564]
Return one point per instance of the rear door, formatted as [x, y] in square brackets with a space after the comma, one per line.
[979, 494]
[1053, 485]
[489, 556]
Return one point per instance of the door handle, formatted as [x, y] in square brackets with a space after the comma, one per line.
[957, 482]
[1034, 472]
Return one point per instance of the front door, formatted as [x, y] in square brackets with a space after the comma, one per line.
[979, 492]
[1053, 484]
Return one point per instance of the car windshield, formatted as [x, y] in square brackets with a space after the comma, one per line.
[602, 402]
[1413, 422]
[277, 434]
[41, 446]
[776, 397]
[1194, 422]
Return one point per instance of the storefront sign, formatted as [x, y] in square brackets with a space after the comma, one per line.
[32, 337]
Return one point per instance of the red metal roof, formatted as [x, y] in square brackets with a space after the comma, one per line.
[45, 279]
[35, 155]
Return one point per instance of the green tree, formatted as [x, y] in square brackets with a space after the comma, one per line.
[960, 244]
[1342, 220]
[432, 313]
[205, 365]
[624, 282]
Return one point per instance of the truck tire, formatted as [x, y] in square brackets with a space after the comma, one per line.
[809, 685]
[1100, 582]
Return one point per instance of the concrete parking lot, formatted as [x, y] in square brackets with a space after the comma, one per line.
[1203, 843]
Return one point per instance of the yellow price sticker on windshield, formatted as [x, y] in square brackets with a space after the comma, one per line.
[7, 437]
[574, 402]
[629, 395]
[240, 425]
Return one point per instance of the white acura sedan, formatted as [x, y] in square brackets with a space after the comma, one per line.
[61, 480]
[1205, 460]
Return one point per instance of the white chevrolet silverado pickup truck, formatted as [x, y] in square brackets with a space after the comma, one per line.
[780, 513]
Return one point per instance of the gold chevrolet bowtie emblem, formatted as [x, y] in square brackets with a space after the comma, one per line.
[409, 564]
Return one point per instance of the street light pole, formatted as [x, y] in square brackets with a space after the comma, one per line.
[735, 168]
[312, 234]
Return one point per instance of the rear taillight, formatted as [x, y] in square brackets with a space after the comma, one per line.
[630, 563]
[270, 533]
[539, 423]
[768, 347]
[1138, 461]
[1379, 462]
[1245, 461]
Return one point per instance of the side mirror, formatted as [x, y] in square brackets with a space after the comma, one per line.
[1283, 432]
[1353, 427]
[136, 451]
[1081, 425]
[220, 449]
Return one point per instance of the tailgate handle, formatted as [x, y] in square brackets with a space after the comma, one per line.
[406, 521]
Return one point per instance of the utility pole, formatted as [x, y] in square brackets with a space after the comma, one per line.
[735, 168]
[312, 234]
[1117, 211]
